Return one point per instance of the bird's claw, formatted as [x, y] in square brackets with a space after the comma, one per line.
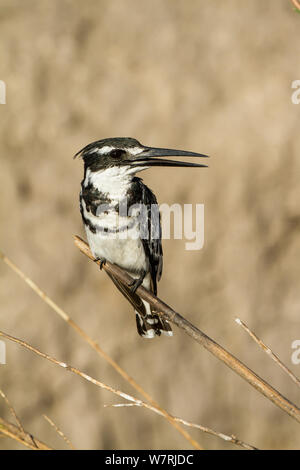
[136, 283]
[102, 262]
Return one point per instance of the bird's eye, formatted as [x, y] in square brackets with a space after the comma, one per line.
[117, 153]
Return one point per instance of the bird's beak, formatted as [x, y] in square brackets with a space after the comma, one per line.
[148, 158]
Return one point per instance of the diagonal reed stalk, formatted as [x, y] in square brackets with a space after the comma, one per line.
[296, 4]
[132, 400]
[99, 350]
[25, 438]
[268, 351]
[191, 330]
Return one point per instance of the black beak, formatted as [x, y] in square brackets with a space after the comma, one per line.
[148, 158]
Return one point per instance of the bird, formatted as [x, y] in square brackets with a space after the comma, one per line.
[121, 217]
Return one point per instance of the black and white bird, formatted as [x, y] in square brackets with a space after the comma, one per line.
[121, 217]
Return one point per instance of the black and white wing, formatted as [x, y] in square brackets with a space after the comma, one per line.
[153, 250]
[152, 239]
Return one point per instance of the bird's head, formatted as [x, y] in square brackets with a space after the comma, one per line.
[128, 152]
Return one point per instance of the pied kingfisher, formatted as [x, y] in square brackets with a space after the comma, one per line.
[122, 220]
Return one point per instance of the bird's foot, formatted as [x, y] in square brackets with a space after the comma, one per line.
[102, 262]
[137, 282]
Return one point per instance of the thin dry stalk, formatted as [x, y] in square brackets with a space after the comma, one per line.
[96, 347]
[130, 398]
[268, 351]
[80, 373]
[69, 368]
[25, 438]
[233, 439]
[66, 366]
[297, 4]
[59, 432]
[12, 410]
[14, 414]
[214, 348]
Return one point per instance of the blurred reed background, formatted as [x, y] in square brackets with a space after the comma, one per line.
[208, 76]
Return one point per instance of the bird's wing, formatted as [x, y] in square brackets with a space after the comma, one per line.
[132, 297]
[152, 243]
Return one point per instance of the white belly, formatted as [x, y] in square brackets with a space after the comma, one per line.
[127, 253]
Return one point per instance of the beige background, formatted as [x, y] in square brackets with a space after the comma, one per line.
[209, 76]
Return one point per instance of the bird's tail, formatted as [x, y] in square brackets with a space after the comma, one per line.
[152, 324]
[149, 323]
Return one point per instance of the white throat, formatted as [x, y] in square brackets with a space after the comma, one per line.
[115, 180]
